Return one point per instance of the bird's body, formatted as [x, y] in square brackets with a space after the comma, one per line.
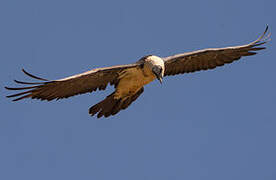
[133, 79]
[129, 80]
[129, 87]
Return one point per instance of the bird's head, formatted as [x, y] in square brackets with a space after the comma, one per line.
[158, 71]
[156, 64]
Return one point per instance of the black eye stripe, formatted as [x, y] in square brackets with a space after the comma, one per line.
[155, 74]
[160, 70]
[157, 69]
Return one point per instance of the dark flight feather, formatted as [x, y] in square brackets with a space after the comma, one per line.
[96, 79]
[211, 58]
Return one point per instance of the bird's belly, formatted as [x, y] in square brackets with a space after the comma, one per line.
[131, 81]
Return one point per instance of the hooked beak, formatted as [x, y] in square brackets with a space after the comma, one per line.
[159, 77]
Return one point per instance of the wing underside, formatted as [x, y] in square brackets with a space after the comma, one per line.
[211, 58]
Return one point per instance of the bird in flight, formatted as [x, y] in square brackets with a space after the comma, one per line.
[129, 80]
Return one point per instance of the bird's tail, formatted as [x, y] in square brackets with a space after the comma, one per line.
[111, 106]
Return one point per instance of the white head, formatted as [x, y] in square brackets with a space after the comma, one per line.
[156, 64]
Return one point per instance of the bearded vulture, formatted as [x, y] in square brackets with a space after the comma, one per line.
[129, 80]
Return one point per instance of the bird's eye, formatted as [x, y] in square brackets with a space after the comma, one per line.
[160, 70]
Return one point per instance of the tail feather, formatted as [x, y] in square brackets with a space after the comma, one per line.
[111, 106]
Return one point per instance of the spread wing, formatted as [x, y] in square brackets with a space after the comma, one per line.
[211, 58]
[63, 88]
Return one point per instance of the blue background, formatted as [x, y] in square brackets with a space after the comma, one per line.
[217, 124]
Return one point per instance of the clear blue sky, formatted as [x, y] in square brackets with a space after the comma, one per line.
[212, 125]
